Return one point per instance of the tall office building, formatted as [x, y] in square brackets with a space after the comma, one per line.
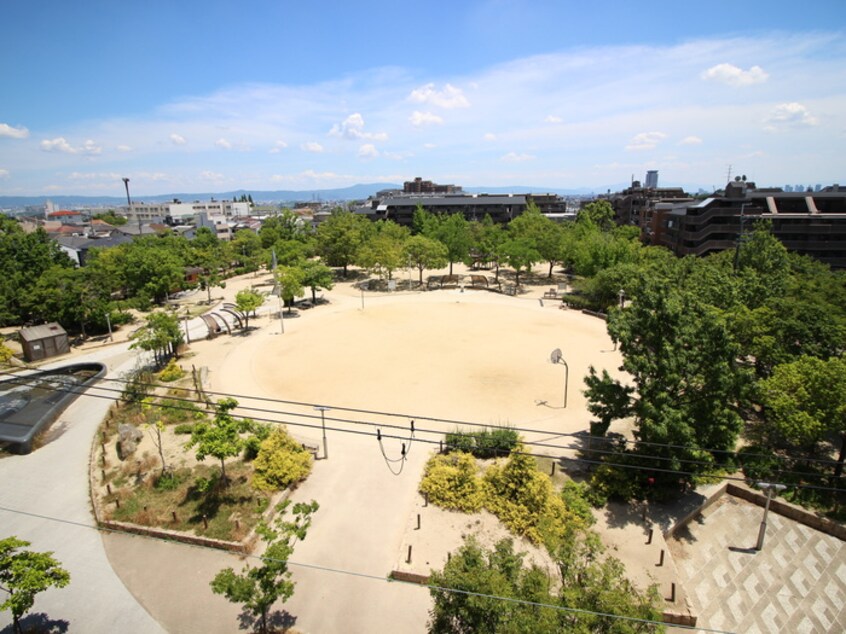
[652, 179]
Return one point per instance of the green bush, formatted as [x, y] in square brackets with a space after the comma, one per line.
[171, 372]
[281, 462]
[484, 444]
[184, 428]
[450, 481]
[179, 411]
[253, 443]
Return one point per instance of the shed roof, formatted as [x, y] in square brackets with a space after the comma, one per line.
[35, 333]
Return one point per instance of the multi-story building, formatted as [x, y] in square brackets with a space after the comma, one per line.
[419, 186]
[811, 223]
[179, 213]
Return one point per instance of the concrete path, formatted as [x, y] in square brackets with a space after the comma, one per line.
[52, 482]
[797, 583]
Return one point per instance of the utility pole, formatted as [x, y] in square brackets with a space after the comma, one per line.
[769, 489]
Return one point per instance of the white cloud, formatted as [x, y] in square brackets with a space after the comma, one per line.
[368, 150]
[59, 144]
[223, 144]
[448, 98]
[553, 119]
[513, 157]
[89, 176]
[418, 118]
[13, 133]
[312, 146]
[4, 173]
[734, 76]
[124, 148]
[789, 115]
[90, 147]
[645, 141]
[208, 175]
[278, 147]
[489, 136]
[177, 139]
[353, 128]
[691, 140]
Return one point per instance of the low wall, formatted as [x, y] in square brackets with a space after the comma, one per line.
[173, 536]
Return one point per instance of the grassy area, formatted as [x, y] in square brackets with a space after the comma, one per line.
[200, 504]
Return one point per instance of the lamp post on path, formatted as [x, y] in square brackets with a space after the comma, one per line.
[323, 409]
[769, 489]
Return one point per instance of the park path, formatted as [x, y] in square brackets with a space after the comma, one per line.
[51, 484]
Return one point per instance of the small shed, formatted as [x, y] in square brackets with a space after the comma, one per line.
[41, 342]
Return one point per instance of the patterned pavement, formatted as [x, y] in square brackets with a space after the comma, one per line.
[796, 584]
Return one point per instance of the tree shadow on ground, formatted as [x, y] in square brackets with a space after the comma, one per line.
[39, 623]
[277, 621]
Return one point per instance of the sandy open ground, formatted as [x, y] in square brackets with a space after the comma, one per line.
[437, 357]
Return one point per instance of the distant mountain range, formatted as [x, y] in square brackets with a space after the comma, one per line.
[355, 192]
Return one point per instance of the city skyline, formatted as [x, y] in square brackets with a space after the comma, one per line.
[200, 98]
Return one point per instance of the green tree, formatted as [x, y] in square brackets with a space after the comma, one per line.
[453, 231]
[424, 253]
[248, 301]
[340, 237]
[221, 438]
[688, 384]
[24, 574]
[247, 249]
[486, 237]
[161, 335]
[281, 462]
[382, 253]
[520, 254]
[257, 588]
[316, 275]
[154, 267]
[805, 408]
[599, 213]
[111, 218]
[544, 235]
[289, 282]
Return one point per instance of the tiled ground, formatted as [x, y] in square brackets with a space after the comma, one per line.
[796, 584]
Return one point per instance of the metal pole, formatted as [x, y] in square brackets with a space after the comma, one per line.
[109, 325]
[769, 489]
[281, 313]
[187, 333]
[322, 409]
[566, 379]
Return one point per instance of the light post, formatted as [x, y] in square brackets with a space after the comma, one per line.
[323, 409]
[622, 295]
[109, 326]
[769, 489]
[281, 314]
[187, 333]
[556, 357]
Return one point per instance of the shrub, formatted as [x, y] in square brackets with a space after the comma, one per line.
[172, 372]
[253, 444]
[484, 444]
[184, 428]
[281, 462]
[179, 411]
[451, 482]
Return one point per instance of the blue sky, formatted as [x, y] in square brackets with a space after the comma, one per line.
[211, 96]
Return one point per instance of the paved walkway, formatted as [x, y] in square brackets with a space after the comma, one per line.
[52, 482]
[797, 583]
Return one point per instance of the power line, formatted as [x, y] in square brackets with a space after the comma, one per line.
[822, 461]
[633, 467]
[363, 575]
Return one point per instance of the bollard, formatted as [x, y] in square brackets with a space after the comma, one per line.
[205, 522]
[672, 592]
[440, 446]
[449, 557]
[237, 525]
[145, 508]
[173, 513]
[418, 521]
[649, 539]
[117, 503]
[426, 499]
[109, 489]
[103, 473]
[408, 559]
[661, 558]
[103, 447]
[552, 471]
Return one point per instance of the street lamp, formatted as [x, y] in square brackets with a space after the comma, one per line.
[323, 409]
[187, 333]
[109, 325]
[556, 357]
[769, 489]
